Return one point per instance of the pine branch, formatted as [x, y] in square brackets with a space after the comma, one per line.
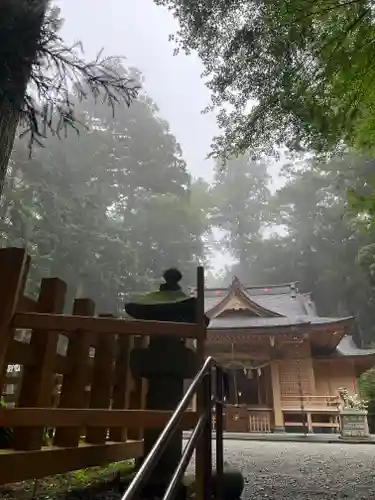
[61, 72]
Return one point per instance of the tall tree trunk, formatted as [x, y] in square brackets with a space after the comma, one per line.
[8, 127]
[21, 23]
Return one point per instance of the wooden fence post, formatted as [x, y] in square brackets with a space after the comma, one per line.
[138, 392]
[14, 266]
[74, 383]
[121, 388]
[101, 387]
[38, 380]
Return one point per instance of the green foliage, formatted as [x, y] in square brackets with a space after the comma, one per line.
[317, 243]
[306, 67]
[366, 259]
[73, 482]
[367, 388]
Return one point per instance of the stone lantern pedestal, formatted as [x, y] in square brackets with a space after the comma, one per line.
[354, 424]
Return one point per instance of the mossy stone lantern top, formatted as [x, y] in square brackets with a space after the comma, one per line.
[169, 303]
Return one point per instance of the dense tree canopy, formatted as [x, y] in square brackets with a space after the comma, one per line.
[108, 210]
[306, 67]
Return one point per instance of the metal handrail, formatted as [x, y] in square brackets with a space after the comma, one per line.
[203, 377]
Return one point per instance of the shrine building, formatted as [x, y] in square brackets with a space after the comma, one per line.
[285, 362]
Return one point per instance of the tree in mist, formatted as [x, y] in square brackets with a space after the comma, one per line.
[36, 71]
[321, 243]
[106, 211]
[240, 197]
[307, 66]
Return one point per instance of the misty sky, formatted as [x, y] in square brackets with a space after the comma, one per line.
[138, 30]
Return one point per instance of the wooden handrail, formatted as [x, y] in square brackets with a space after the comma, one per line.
[88, 417]
[96, 324]
[203, 378]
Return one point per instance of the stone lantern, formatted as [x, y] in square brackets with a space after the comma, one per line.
[166, 362]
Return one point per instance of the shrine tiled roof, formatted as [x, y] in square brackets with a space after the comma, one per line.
[280, 299]
[347, 347]
[237, 308]
[241, 321]
[282, 306]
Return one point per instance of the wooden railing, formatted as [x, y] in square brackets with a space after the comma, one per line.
[98, 398]
[259, 422]
[291, 402]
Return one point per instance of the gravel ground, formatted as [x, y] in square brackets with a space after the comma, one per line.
[304, 470]
[280, 470]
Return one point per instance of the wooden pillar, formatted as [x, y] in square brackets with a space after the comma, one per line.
[101, 387]
[121, 388]
[38, 379]
[14, 266]
[138, 391]
[276, 395]
[74, 382]
[310, 429]
[203, 448]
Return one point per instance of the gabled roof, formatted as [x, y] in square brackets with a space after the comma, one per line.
[262, 308]
[281, 300]
[237, 299]
[259, 309]
[268, 301]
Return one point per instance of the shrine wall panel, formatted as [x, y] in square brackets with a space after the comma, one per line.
[342, 375]
[296, 376]
[331, 375]
[322, 375]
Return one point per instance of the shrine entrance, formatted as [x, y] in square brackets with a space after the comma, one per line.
[249, 406]
[249, 386]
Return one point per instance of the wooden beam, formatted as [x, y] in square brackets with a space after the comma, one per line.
[69, 323]
[87, 417]
[22, 465]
